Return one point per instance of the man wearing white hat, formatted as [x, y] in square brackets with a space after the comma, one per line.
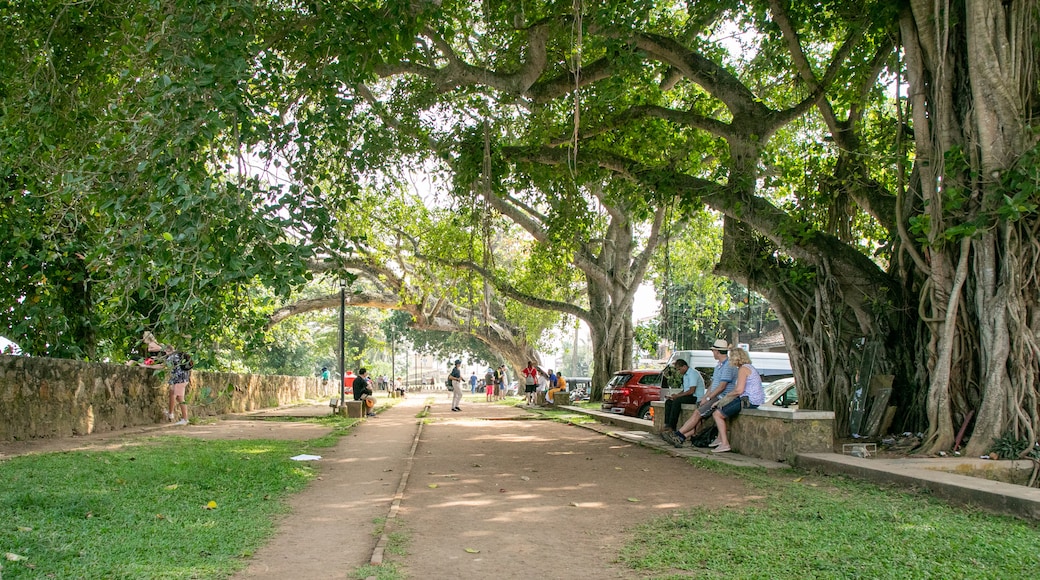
[723, 380]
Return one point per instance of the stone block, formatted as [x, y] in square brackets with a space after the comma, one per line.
[561, 399]
[352, 409]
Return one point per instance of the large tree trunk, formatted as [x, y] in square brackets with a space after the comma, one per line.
[971, 66]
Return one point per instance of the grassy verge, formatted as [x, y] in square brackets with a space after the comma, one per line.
[145, 512]
[810, 526]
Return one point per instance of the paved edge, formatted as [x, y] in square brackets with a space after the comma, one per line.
[995, 496]
[395, 505]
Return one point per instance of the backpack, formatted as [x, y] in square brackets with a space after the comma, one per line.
[448, 383]
[705, 437]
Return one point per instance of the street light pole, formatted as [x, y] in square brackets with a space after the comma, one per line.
[342, 371]
[393, 361]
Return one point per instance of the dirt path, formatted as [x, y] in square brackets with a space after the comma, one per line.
[489, 493]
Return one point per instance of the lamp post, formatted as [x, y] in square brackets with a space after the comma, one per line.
[393, 361]
[342, 371]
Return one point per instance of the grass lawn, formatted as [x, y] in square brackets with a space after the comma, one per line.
[145, 511]
[815, 526]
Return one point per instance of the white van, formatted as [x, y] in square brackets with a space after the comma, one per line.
[771, 365]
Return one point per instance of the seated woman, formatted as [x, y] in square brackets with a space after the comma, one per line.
[748, 393]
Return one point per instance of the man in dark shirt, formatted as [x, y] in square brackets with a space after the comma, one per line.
[363, 392]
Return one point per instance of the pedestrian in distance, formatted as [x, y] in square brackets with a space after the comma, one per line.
[178, 365]
[456, 380]
[489, 384]
[473, 383]
[530, 373]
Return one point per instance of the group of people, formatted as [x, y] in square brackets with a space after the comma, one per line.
[735, 385]
[535, 379]
[178, 364]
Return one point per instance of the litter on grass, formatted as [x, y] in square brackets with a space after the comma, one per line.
[306, 457]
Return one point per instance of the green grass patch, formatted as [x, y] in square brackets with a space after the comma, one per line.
[141, 512]
[563, 416]
[809, 526]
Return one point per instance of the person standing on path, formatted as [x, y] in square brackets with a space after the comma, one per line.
[489, 384]
[530, 381]
[473, 382]
[500, 382]
[456, 380]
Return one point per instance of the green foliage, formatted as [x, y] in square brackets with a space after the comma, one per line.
[1007, 446]
[646, 337]
[116, 507]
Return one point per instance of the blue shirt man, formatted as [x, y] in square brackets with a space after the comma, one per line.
[692, 380]
[724, 379]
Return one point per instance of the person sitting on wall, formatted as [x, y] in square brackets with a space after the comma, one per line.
[559, 387]
[363, 392]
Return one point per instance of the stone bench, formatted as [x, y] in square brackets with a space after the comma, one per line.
[350, 408]
[560, 399]
[773, 433]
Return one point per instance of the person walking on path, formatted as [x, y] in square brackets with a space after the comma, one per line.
[456, 380]
[473, 382]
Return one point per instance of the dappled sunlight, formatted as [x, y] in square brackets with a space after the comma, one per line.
[466, 503]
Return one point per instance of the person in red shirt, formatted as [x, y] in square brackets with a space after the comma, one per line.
[530, 381]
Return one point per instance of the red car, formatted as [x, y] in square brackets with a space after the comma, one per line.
[630, 393]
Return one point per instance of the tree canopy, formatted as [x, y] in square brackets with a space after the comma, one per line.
[873, 165]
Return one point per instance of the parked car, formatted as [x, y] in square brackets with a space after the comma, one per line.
[771, 365]
[781, 393]
[631, 392]
[579, 387]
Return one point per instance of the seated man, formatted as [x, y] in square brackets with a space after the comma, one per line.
[721, 384]
[561, 386]
[680, 373]
[363, 392]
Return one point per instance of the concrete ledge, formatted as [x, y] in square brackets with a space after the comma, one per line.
[658, 407]
[772, 433]
[352, 409]
[616, 420]
[995, 496]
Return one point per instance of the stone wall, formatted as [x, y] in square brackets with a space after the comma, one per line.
[774, 433]
[45, 397]
[781, 434]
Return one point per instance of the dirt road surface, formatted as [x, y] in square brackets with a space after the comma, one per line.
[489, 492]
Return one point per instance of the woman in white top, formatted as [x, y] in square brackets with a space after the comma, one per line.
[748, 392]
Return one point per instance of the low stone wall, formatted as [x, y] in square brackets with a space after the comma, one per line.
[773, 433]
[45, 397]
[781, 434]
